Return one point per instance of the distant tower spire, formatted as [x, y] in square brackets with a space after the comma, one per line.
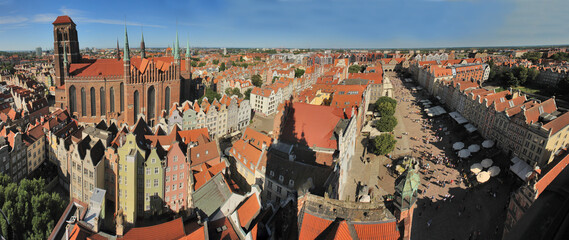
[126, 50]
[188, 48]
[118, 50]
[176, 48]
[142, 48]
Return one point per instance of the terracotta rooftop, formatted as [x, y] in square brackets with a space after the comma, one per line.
[169, 230]
[312, 125]
[63, 19]
[248, 211]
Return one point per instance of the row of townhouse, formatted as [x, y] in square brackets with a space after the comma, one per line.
[226, 116]
[144, 171]
[242, 85]
[550, 76]
[23, 150]
[531, 130]
[265, 100]
[432, 75]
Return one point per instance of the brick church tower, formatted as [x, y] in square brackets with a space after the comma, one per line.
[405, 197]
[64, 35]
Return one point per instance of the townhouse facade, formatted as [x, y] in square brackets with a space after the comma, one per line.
[222, 117]
[87, 168]
[530, 130]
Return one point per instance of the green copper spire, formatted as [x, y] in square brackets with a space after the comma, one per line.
[142, 47]
[126, 50]
[65, 55]
[188, 49]
[176, 48]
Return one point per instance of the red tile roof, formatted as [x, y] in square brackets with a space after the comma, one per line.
[312, 226]
[376, 77]
[207, 172]
[198, 234]
[532, 114]
[312, 124]
[62, 19]
[546, 179]
[557, 124]
[248, 211]
[169, 230]
[384, 231]
[227, 234]
[256, 138]
[203, 153]
[193, 135]
[246, 154]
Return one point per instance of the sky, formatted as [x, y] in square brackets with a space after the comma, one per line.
[25, 25]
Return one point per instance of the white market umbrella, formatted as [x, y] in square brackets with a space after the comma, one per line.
[494, 171]
[476, 168]
[483, 177]
[488, 143]
[474, 148]
[486, 163]
[458, 145]
[464, 153]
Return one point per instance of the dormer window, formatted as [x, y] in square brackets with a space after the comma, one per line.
[291, 183]
[281, 178]
[198, 155]
[206, 152]
[272, 173]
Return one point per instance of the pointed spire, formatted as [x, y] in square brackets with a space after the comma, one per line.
[126, 50]
[142, 47]
[188, 49]
[176, 48]
[118, 50]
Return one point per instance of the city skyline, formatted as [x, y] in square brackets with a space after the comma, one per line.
[293, 23]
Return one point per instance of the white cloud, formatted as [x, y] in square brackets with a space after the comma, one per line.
[44, 18]
[12, 19]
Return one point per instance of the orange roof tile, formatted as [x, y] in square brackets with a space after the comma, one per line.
[62, 19]
[557, 124]
[169, 230]
[248, 211]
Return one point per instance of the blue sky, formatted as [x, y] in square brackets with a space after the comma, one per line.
[25, 25]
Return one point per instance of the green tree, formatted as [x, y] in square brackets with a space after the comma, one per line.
[386, 124]
[248, 93]
[31, 210]
[194, 64]
[532, 56]
[560, 56]
[385, 109]
[201, 64]
[383, 144]
[298, 72]
[237, 92]
[257, 58]
[355, 69]
[215, 61]
[386, 99]
[195, 59]
[222, 67]
[256, 80]
[511, 79]
[241, 59]
[532, 74]
[274, 79]
[210, 94]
